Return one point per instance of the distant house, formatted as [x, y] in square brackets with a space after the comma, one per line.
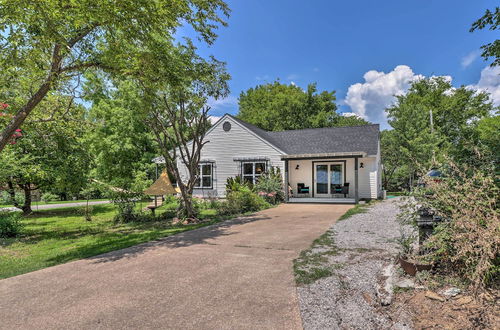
[329, 165]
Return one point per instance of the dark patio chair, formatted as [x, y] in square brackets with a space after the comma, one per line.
[302, 189]
[339, 189]
[345, 189]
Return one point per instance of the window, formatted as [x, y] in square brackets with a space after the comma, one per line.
[204, 177]
[252, 171]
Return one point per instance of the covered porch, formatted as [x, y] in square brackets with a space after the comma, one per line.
[331, 178]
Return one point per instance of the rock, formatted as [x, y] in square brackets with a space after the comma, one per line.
[434, 296]
[176, 221]
[367, 298]
[464, 300]
[405, 283]
[450, 292]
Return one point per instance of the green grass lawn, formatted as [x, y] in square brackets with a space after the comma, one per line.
[56, 236]
[33, 205]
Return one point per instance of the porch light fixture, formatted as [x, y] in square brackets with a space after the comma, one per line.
[361, 165]
[297, 167]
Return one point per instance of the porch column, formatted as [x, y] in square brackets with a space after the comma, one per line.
[356, 193]
[286, 180]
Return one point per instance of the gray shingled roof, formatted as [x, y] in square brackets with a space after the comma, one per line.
[321, 140]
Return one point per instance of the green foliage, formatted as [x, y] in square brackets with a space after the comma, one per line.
[241, 200]
[236, 184]
[10, 225]
[467, 243]
[487, 129]
[357, 209]
[86, 211]
[51, 154]
[120, 140]
[270, 186]
[491, 19]
[49, 197]
[6, 198]
[276, 107]
[47, 44]
[52, 237]
[125, 202]
[313, 263]
[414, 145]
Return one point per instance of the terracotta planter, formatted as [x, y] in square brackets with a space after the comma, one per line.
[412, 268]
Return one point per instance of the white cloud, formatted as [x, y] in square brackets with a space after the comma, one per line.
[369, 99]
[490, 83]
[228, 103]
[292, 76]
[214, 119]
[349, 114]
[316, 69]
[470, 58]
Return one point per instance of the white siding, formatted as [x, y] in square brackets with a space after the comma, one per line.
[222, 147]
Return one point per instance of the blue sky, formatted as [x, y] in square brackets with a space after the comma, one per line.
[366, 51]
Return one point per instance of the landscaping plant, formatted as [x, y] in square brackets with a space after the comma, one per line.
[10, 225]
[270, 186]
[49, 197]
[240, 198]
[467, 242]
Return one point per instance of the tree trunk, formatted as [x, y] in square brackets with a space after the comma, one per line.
[27, 199]
[21, 115]
[12, 193]
[186, 208]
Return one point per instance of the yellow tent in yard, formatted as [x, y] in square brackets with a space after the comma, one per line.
[161, 187]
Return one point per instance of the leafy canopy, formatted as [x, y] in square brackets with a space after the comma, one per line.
[276, 107]
[456, 114]
[48, 44]
[492, 49]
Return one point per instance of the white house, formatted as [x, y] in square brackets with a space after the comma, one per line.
[332, 165]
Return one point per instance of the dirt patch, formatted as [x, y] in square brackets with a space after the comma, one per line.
[461, 312]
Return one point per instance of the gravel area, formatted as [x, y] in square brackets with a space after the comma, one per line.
[356, 295]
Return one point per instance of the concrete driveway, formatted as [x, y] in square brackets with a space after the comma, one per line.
[234, 275]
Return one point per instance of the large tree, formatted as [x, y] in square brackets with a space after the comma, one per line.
[277, 106]
[48, 155]
[120, 140]
[47, 44]
[492, 21]
[434, 119]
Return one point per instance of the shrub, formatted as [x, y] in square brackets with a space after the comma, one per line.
[49, 197]
[243, 200]
[5, 198]
[270, 186]
[10, 224]
[86, 211]
[467, 243]
[236, 184]
[125, 204]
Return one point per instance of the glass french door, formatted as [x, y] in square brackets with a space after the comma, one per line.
[327, 178]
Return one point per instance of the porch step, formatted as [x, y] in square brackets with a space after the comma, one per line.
[322, 200]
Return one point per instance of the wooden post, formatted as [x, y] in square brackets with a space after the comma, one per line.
[286, 181]
[356, 193]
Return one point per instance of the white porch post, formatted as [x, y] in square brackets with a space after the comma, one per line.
[286, 181]
[356, 193]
